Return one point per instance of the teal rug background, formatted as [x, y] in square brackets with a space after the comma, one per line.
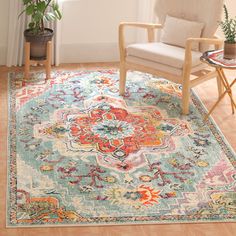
[79, 154]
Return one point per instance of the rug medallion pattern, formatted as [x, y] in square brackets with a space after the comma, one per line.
[80, 154]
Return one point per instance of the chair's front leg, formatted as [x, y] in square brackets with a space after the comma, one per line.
[220, 86]
[186, 94]
[186, 78]
[123, 72]
[122, 47]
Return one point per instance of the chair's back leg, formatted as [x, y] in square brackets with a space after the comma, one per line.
[220, 86]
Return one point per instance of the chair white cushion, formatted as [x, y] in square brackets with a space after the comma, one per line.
[162, 53]
[176, 31]
[164, 68]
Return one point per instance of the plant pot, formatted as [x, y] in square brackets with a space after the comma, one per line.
[229, 50]
[38, 43]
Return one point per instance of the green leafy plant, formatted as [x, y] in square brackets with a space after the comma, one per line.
[228, 26]
[40, 12]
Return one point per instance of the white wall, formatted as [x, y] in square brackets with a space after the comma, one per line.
[3, 30]
[231, 6]
[89, 29]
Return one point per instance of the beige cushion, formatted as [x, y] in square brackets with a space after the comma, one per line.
[155, 65]
[162, 53]
[176, 31]
[205, 11]
[163, 68]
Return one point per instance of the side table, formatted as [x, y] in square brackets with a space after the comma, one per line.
[216, 59]
[46, 61]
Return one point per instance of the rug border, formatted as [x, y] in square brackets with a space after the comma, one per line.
[215, 129]
[9, 113]
[197, 101]
[8, 144]
[212, 120]
[120, 224]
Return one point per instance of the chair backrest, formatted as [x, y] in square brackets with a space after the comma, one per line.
[206, 11]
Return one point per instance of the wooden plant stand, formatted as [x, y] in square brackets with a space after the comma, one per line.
[46, 62]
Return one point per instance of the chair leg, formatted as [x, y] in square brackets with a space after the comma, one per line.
[186, 95]
[220, 86]
[122, 82]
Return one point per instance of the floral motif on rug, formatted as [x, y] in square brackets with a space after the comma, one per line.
[80, 154]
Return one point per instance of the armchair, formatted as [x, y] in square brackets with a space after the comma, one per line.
[178, 63]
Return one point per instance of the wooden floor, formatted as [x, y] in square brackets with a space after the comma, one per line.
[223, 117]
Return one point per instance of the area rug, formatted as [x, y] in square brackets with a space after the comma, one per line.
[80, 154]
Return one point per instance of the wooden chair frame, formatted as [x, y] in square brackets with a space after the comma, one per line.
[187, 82]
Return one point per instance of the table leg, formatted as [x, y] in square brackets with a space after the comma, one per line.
[220, 85]
[219, 99]
[227, 90]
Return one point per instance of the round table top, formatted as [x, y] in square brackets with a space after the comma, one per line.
[216, 58]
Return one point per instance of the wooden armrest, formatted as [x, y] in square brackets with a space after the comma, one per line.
[210, 41]
[150, 27]
[188, 50]
[140, 25]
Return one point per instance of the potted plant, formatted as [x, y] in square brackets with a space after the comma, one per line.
[228, 26]
[40, 12]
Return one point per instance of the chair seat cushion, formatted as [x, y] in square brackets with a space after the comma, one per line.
[162, 53]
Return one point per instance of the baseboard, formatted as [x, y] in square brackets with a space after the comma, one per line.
[3, 53]
[89, 52]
